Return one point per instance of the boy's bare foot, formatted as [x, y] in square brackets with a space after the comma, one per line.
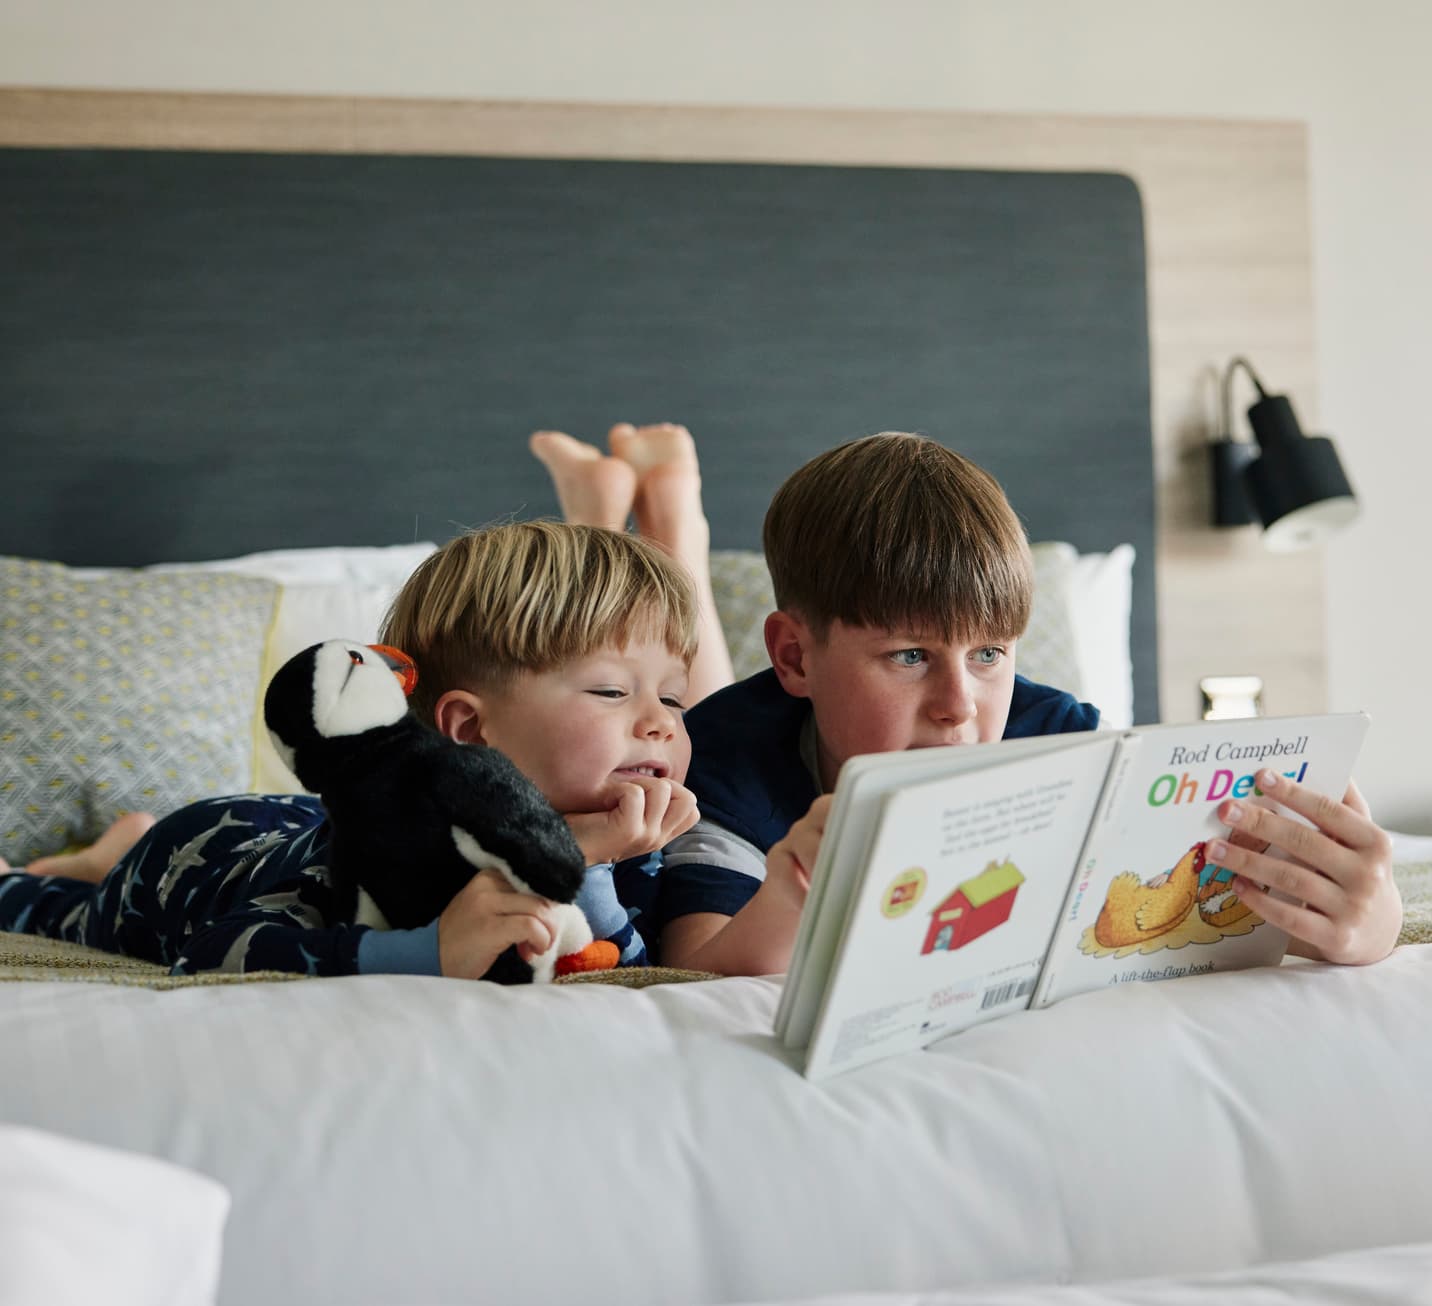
[593, 489]
[669, 513]
[92, 864]
[668, 487]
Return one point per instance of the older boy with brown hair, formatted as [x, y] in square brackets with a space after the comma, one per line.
[903, 582]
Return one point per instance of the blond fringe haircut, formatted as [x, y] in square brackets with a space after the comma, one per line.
[531, 596]
[897, 532]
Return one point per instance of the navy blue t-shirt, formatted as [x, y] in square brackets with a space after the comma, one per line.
[749, 778]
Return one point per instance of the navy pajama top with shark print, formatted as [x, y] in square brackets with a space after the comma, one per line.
[242, 884]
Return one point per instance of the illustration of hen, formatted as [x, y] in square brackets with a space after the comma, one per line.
[1134, 911]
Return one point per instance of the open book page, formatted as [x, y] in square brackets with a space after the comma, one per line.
[963, 886]
[1148, 904]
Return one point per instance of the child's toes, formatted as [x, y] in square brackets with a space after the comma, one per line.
[664, 444]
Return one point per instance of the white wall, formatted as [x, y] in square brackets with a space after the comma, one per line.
[1356, 72]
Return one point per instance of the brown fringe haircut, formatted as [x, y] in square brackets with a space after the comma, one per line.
[895, 531]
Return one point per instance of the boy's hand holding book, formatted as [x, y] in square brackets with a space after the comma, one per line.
[791, 860]
[1341, 872]
[757, 939]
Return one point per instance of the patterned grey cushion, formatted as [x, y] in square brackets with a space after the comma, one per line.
[744, 597]
[1046, 653]
[128, 691]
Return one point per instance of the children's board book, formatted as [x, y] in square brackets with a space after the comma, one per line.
[956, 885]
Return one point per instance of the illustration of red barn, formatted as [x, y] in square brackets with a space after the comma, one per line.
[974, 908]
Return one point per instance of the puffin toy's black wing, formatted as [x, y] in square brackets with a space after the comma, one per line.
[415, 815]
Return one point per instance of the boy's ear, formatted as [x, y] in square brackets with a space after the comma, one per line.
[788, 641]
[458, 715]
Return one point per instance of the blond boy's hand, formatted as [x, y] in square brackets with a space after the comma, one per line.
[648, 815]
[1348, 908]
[487, 917]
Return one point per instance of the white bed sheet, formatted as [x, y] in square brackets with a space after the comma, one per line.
[1383, 1276]
[400, 1139]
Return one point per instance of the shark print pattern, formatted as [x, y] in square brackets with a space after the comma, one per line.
[227, 884]
[242, 884]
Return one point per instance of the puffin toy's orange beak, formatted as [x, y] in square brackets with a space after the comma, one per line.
[400, 664]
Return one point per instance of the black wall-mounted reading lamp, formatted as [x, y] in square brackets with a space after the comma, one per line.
[1293, 482]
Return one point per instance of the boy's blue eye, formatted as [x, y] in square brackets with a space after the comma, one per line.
[907, 657]
[989, 656]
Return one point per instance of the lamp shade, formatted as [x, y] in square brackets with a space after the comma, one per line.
[1296, 484]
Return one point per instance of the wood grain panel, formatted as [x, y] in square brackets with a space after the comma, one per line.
[1230, 271]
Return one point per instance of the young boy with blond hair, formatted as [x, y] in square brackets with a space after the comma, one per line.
[902, 580]
[566, 647]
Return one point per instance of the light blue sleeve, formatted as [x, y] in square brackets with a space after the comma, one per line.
[400, 952]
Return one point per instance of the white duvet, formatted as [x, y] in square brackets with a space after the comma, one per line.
[400, 1139]
[1382, 1276]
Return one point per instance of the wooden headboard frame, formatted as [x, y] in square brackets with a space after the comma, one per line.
[1229, 271]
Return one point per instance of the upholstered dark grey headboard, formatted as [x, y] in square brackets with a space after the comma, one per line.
[203, 354]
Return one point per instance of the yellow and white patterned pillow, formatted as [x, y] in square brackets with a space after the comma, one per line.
[128, 691]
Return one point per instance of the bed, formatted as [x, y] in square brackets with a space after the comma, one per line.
[193, 496]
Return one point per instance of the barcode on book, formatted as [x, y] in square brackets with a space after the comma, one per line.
[1007, 992]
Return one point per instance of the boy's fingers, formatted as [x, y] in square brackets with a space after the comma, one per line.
[649, 785]
[1336, 819]
[504, 901]
[630, 808]
[681, 813]
[658, 802]
[528, 928]
[1258, 826]
[518, 903]
[1313, 888]
[491, 880]
[809, 847]
[687, 814]
[804, 844]
[528, 935]
[1298, 921]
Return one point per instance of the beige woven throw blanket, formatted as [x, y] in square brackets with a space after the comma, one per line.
[25, 957]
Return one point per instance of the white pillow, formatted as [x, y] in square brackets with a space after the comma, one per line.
[329, 593]
[1100, 605]
[80, 1223]
[1047, 651]
[306, 614]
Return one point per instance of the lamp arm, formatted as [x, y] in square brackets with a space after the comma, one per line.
[1228, 372]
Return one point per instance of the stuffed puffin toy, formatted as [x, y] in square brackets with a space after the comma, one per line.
[416, 815]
